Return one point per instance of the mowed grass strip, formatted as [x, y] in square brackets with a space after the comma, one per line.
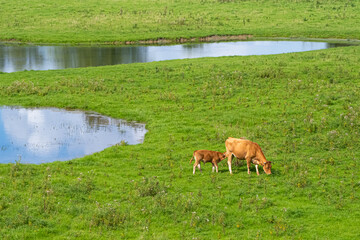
[120, 21]
[302, 109]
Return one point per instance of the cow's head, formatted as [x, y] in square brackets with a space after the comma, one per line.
[267, 167]
[223, 156]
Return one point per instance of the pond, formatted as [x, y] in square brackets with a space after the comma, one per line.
[15, 58]
[39, 135]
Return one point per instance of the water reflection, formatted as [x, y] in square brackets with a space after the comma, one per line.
[46, 135]
[18, 58]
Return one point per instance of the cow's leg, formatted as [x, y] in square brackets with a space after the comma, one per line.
[213, 167]
[248, 162]
[229, 162]
[257, 170]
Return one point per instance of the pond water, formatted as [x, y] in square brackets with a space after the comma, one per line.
[39, 135]
[15, 58]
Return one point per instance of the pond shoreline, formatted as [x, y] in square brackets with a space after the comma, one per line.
[180, 40]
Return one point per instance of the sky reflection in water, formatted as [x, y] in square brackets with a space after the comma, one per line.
[15, 58]
[46, 135]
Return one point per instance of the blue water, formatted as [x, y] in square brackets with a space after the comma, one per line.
[39, 135]
[15, 58]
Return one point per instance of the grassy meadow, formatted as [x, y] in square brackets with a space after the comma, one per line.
[302, 109]
[119, 21]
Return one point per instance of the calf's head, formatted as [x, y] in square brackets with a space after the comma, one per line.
[222, 156]
[267, 167]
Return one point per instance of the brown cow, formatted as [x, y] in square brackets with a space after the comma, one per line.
[207, 156]
[246, 150]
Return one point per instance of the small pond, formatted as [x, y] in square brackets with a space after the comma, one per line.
[38, 135]
[15, 58]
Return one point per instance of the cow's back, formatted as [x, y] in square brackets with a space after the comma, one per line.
[240, 147]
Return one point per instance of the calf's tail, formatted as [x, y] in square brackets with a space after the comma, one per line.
[191, 158]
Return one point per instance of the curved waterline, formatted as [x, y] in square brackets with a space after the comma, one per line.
[15, 58]
[39, 135]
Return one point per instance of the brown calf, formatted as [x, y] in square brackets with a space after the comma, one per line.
[207, 156]
[248, 150]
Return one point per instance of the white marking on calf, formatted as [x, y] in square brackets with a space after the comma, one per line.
[194, 166]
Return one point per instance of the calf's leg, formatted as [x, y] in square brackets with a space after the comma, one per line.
[216, 166]
[198, 165]
[194, 168]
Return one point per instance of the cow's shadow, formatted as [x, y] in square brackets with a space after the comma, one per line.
[238, 166]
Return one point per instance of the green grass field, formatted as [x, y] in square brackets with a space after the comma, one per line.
[118, 21]
[302, 109]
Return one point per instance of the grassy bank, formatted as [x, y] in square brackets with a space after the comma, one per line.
[301, 108]
[119, 21]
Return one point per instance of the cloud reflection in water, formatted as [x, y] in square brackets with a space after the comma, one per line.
[44, 135]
